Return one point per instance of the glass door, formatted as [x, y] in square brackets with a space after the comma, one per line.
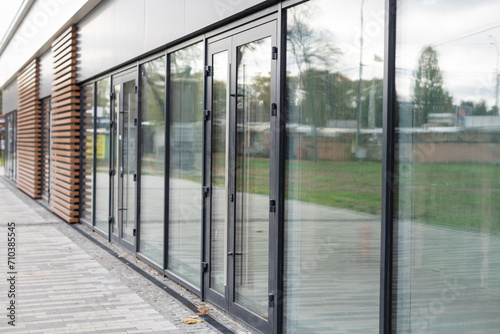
[241, 164]
[123, 160]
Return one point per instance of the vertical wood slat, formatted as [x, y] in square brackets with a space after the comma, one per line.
[28, 131]
[65, 129]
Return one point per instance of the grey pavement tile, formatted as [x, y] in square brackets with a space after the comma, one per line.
[68, 284]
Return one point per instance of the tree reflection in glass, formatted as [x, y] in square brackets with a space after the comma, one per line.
[186, 147]
[152, 155]
[333, 170]
[447, 217]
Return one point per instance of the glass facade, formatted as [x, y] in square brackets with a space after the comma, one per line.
[102, 138]
[152, 150]
[220, 147]
[88, 154]
[10, 168]
[447, 177]
[253, 91]
[186, 162]
[45, 170]
[333, 167]
[285, 175]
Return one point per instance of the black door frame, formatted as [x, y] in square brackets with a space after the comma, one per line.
[117, 236]
[267, 27]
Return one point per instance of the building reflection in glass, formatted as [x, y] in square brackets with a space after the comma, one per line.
[333, 166]
[447, 176]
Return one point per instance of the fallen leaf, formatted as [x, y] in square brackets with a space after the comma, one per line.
[154, 272]
[202, 310]
[194, 316]
[190, 321]
[51, 265]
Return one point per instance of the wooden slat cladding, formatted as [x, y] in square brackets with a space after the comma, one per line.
[65, 129]
[28, 131]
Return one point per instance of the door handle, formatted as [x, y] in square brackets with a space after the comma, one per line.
[232, 253]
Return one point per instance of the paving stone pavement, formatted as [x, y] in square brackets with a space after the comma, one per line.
[65, 283]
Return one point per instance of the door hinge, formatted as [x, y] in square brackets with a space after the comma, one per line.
[274, 53]
[204, 266]
[274, 109]
[111, 172]
[112, 96]
[271, 300]
[135, 177]
[110, 220]
[272, 205]
[206, 191]
[208, 71]
[135, 121]
[206, 114]
[135, 89]
[133, 232]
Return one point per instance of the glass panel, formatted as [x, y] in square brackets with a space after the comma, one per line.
[10, 140]
[152, 144]
[103, 113]
[10, 145]
[333, 166]
[252, 175]
[127, 169]
[45, 167]
[14, 145]
[220, 131]
[447, 212]
[116, 167]
[7, 149]
[186, 147]
[86, 188]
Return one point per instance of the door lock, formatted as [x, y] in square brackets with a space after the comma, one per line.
[272, 205]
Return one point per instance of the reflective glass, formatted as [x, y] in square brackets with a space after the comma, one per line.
[86, 189]
[45, 167]
[14, 145]
[220, 115]
[116, 138]
[10, 145]
[128, 162]
[152, 155]
[333, 107]
[186, 148]
[447, 174]
[103, 113]
[253, 105]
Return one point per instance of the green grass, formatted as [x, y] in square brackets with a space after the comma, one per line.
[462, 196]
[459, 196]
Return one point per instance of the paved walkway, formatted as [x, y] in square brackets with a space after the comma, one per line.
[64, 283]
